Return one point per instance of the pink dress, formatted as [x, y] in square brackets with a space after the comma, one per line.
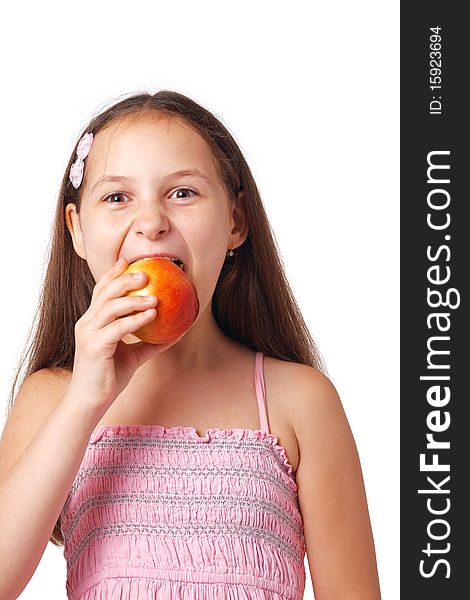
[158, 512]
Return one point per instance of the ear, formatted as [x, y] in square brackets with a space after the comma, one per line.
[72, 220]
[239, 231]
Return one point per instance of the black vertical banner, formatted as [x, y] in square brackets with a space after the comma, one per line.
[435, 316]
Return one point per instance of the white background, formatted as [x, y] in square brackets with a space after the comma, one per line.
[310, 92]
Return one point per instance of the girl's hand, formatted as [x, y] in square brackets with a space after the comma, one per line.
[103, 364]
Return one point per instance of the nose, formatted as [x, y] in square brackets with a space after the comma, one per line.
[151, 221]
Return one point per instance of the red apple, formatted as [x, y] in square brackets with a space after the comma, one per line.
[177, 306]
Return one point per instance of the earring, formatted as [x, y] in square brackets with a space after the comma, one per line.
[230, 252]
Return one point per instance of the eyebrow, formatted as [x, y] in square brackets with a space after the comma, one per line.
[122, 178]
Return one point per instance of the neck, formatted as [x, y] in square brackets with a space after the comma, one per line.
[201, 349]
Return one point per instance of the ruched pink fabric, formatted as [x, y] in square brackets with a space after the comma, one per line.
[158, 512]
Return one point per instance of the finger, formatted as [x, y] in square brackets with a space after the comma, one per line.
[120, 287]
[122, 307]
[123, 284]
[117, 269]
[115, 331]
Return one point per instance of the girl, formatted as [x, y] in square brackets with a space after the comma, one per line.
[202, 468]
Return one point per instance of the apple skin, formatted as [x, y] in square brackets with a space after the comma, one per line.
[178, 303]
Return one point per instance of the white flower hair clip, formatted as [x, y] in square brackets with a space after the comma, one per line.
[76, 170]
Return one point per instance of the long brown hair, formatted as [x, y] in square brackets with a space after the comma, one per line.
[252, 302]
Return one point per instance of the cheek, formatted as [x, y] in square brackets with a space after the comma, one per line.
[208, 245]
[208, 256]
[99, 235]
[101, 246]
[210, 231]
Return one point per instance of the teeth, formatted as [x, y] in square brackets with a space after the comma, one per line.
[176, 261]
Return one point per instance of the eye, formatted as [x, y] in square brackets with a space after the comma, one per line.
[184, 190]
[111, 198]
[114, 195]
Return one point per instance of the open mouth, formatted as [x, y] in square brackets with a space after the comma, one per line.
[177, 262]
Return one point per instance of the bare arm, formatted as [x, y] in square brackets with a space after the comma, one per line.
[35, 485]
[44, 439]
[338, 535]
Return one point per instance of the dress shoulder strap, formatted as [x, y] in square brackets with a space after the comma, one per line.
[261, 392]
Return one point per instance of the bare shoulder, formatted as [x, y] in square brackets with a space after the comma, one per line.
[42, 387]
[306, 394]
[293, 391]
[36, 399]
[318, 418]
[317, 403]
